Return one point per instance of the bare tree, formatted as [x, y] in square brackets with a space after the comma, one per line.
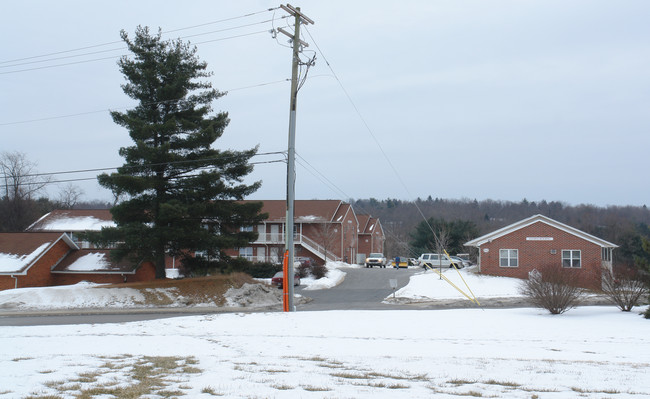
[19, 184]
[20, 178]
[553, 288]
[69, 196]
[625, 287]
[325, 236]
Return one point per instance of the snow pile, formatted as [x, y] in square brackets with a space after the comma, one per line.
[333, 277]
[429, 285]
[82, 295]
[253, 295]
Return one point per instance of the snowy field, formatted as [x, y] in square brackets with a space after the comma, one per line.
[588, 352]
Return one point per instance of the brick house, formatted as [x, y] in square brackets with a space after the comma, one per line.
[72, 222]
[40, 259]
[518, 249]
[323, 229]
[371, 236]
[76, 221]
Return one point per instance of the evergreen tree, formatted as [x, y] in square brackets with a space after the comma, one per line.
[180, 194]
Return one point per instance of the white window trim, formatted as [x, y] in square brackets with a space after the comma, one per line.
[516, 258]
[571, 258]
[246, 253]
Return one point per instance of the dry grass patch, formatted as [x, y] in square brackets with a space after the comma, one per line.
[311, 388]
[210, 391]
[282, 387]
[459, 382]
[139, 377]
[351, 376]
[508, 384]
[19, 359]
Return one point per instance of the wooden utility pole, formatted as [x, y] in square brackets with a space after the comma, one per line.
[291, 152]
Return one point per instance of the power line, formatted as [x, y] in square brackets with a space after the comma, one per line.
[370, 131]
[125, 107]
[144, 165]
[47, 182]
[117, 56]
[119, 41]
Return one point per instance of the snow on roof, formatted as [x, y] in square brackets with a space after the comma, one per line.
[308, 218]
[91, 261]
[76, 223]
[15, 263]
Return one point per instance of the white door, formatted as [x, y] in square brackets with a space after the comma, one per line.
[260, 254]
[275, 258]
[275, 233]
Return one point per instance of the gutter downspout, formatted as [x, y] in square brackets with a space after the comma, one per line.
[15, 278]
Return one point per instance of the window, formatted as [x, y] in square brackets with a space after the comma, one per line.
[246, 253]
[246, 228]
[607, 254]
[509, 257]
[570, 258]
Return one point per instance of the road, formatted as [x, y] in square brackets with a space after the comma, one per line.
[361, 289]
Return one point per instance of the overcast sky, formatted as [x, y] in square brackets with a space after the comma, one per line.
[500, 100]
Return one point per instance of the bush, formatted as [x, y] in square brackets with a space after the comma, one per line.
[318, 271]
[553, 288]
[201, 267]
[624, 287]
[304, 270]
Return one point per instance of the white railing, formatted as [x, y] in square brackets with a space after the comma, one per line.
[308, 243]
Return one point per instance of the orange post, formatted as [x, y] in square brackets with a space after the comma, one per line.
[285, 282]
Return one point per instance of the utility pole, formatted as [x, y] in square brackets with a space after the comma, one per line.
[291, 152]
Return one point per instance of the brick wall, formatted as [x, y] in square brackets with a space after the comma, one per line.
[39, 274]
[538, 251]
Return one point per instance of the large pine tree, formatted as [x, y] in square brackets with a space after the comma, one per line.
[180, 194]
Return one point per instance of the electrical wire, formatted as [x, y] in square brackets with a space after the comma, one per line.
[372, 134]
[390, 163]
[120, 41]
[49, 182]
[144, 165]
[121, 55]
[126, 107]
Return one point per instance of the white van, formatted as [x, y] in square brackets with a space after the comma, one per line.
[436, 260]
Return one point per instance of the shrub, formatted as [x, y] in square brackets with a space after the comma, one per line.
[201, 267]
[625, 287]
[303, 270]
[261, 269]
[318, 271]
[553, 288]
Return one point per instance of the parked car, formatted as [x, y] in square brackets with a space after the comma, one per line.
[460, 262]
[436, 260]
[376, 259]
[403, 262]
[278, 279]
[303, 260]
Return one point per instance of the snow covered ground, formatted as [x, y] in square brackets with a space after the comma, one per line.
[588, 352]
